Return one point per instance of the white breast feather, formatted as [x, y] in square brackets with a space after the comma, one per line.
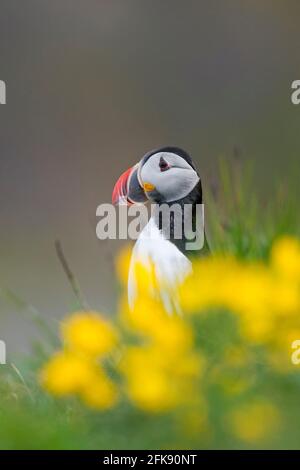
[170, 265]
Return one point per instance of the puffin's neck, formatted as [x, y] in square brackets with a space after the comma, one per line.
[193, 199]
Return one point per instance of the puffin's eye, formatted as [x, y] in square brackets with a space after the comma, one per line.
[163, 165]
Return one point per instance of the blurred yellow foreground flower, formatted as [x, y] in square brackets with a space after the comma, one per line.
[266, 298]
[89, 333]
[75, 370]
[67, 373]
[168, 362]
[286, 257]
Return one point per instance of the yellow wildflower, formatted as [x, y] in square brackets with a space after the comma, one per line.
[149, 319]
[151, 391]
[286, 298]
[101, 393]
[88, 333]
[158, 380]
[285, 256]
[66, 373]
[122, 264]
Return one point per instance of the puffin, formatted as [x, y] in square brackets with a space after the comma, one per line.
[164, 177]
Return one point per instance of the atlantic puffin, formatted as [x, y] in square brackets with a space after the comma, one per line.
[164, 176]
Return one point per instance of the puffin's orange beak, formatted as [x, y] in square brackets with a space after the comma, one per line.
[121, 189]
[128, 190]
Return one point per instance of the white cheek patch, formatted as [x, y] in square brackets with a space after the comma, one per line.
[173, 184]
[180, 183]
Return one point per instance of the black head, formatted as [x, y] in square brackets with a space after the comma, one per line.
[166, 174]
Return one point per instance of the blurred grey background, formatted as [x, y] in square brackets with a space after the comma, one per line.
[91, 86]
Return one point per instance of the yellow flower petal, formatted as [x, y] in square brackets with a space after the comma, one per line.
[88, 333]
